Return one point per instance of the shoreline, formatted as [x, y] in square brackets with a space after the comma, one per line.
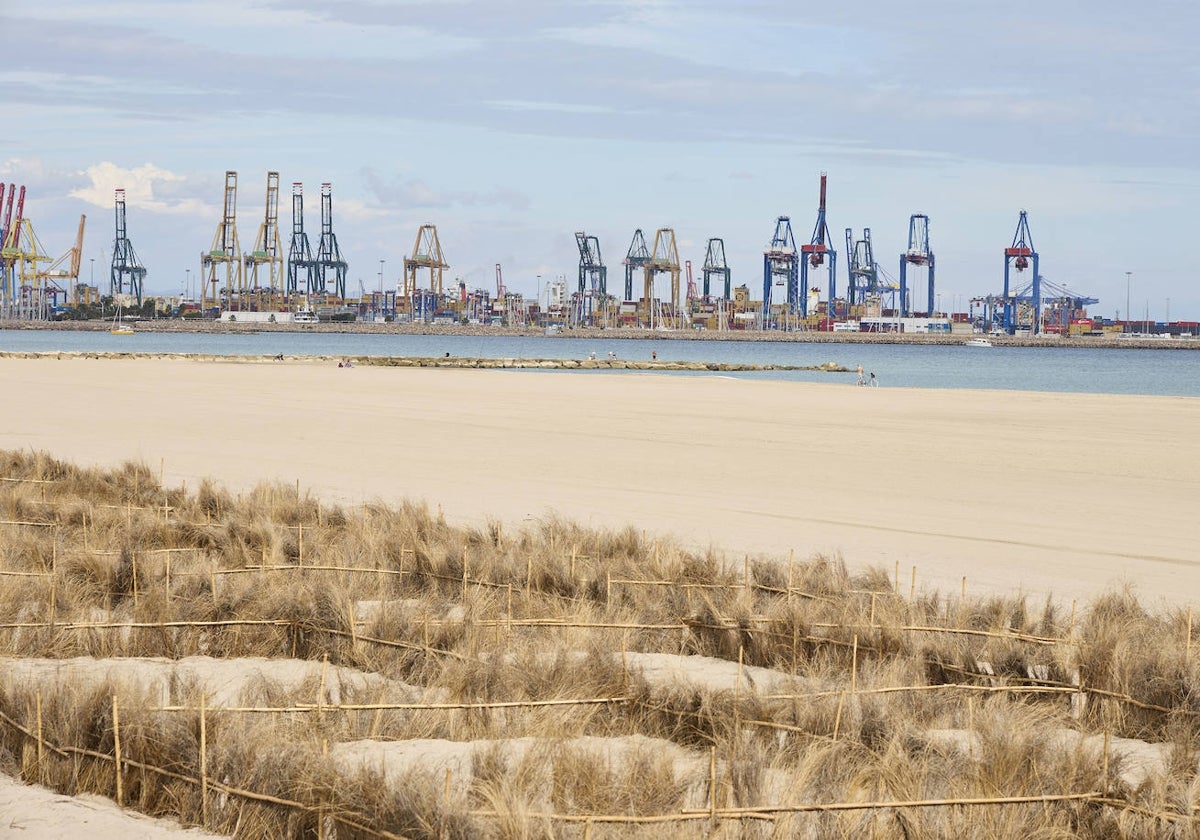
[612, 333]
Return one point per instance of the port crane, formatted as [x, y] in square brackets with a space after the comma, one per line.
[55, 273]
[225, 255]
[814, 253]
[665, 260]
[1022, 255]
[426, 254]
[715, 267]
[918, 254]
[637, 257]
[781, 259]
[329, 255]
[300, 255]
[10, 241]
[125, 263]
[267, 248]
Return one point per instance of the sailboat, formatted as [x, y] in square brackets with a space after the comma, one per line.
[118, 326]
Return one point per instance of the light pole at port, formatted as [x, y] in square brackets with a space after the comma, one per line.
[1128, 311]
[381, 276]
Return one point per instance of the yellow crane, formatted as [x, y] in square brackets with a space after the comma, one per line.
[225, 252]
[67, 277]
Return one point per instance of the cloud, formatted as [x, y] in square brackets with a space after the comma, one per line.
[414, 193]
[147, 187]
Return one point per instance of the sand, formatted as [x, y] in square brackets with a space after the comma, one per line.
[1041, 493]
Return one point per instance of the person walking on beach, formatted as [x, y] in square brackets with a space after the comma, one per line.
[874, 383]
[861, 381]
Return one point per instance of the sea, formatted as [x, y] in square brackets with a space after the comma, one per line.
[1133, 370]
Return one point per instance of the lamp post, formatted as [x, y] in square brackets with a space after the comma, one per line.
[381, 276]
[1128, 311]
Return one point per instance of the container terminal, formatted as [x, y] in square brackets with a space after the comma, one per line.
[800, 287]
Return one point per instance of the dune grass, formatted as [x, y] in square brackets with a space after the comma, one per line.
[797, 683]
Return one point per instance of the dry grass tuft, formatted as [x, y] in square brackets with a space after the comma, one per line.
[777, 683]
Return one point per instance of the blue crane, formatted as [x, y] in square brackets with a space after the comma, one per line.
[715, 266]
[1020, 255]
[780, 259]
[637, 257]
[814, 253]
[918, 253]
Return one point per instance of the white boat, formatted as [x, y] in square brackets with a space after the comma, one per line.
[305, 316]
[977, 342]
[119, 327]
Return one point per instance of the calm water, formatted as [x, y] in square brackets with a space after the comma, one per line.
[1066, 369]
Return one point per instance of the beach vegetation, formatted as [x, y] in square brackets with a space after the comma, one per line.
[269, 665]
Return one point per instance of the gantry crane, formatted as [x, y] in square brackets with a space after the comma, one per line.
[637, 257]
[4, 220]
[664, 260]
[10, 239]
[125, 262]
[593, 274]
[593, 279]
[814, 253]
[918, 253]
[329, 255]
[863, 271]
[426, 253]
[300, 255]
[715, 266]
[267, 248]
[780, 259]
[22, 254]
[225, 254]
[56, 274]
[1019, 255]
[501, 289]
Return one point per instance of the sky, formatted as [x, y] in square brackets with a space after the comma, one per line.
[513, 125]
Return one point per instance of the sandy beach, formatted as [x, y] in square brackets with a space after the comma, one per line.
[1033, 492]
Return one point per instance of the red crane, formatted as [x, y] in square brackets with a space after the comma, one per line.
[501, 289]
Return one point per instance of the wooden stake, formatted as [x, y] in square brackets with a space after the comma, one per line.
[1187, 642]
[1104, 768]
[791, 569]
[970, 725]
[912, 586]
[837, 719]
[203, 765]
[39, 734]
[528, 574]
[854, 666]
[871, 622]
[135, 597]
[117, 752]
[300, 550]
[167, 585]
[712, 788]
[464, 578]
